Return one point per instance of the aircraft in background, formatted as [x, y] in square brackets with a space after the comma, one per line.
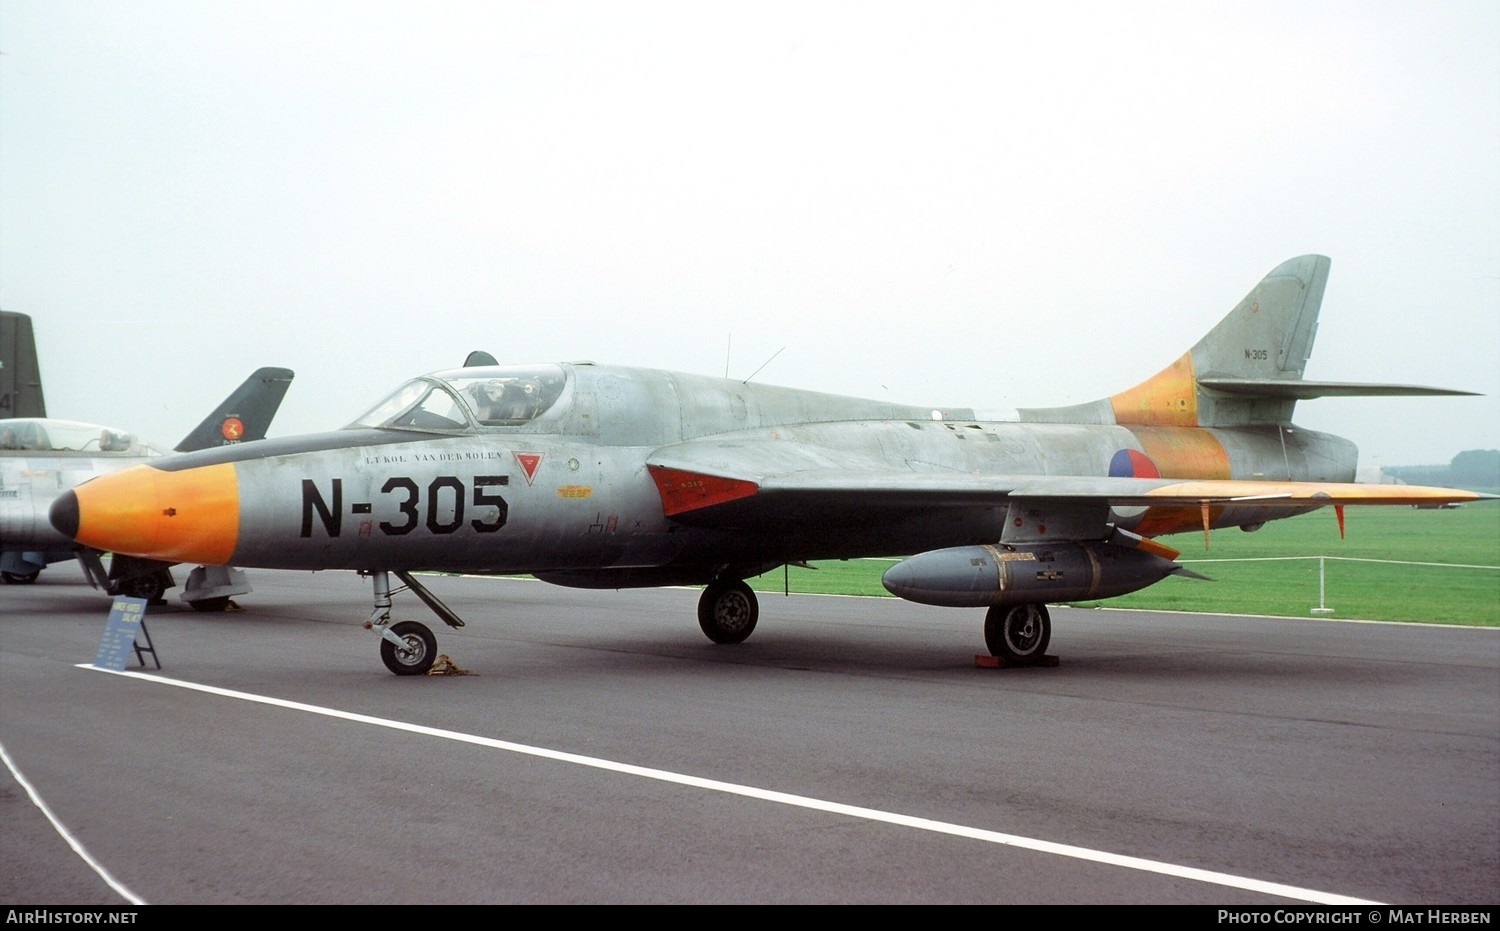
[20, 378]
[608, 477]
[42, 457]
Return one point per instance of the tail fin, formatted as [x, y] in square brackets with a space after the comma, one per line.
[1247, 370]
[1241, 371]
[245, 415]
[479, 357]
[20, 376]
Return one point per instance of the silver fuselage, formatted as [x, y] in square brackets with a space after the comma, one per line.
[567, 494]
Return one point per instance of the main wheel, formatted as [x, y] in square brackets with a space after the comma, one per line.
[727, 611]
[1018, 634]
[18, 578]
[218, 603]
[416, 657]
[151, 587]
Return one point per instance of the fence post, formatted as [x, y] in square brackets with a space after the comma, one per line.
[1322, 608]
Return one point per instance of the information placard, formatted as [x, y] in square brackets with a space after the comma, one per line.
[118, 643]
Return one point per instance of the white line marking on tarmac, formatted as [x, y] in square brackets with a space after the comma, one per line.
[73, 842]
[783, 798]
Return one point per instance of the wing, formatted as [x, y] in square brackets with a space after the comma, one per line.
[763, 486]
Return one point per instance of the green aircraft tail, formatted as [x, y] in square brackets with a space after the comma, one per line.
[243, 416]
[20, 376]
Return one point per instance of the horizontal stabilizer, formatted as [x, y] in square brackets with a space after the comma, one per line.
[1302, 390]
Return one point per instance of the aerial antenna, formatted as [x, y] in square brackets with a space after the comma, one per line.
[763, 365]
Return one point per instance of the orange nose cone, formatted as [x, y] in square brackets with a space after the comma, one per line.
[188, 516]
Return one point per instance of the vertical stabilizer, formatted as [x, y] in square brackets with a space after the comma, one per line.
[20, 376]
[1266, 339]
[1270, 333]
[245, 415]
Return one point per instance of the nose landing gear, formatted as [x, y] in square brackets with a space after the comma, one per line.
[408, 648]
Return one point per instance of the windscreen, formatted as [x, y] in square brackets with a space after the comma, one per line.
[449, 401]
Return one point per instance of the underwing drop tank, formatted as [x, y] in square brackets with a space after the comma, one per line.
[1002, 574]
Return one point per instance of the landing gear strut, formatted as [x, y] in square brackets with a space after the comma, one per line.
[137, 577]
[727, 611]
[1018, 634]
[151, 587]
[407, 648]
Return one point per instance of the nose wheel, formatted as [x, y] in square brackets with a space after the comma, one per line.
[408, 648]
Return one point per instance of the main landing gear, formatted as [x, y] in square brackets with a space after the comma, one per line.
[408, 648]
[728, 610]
[1018, 634]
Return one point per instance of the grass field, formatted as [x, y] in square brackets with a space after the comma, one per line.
[1394, 564]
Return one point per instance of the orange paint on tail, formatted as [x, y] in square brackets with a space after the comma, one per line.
[1167, 399]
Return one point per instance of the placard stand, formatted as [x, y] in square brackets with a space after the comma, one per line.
[126, 616]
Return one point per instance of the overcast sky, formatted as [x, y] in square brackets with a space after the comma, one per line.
[992, 204]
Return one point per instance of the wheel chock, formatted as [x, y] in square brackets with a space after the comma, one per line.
[443, 666]
[994, 662]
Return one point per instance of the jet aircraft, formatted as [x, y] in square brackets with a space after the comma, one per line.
[20, 380]
[41, 457]
[600, 476]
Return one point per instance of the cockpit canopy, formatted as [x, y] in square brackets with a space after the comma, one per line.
[459, 399]
[46, 434]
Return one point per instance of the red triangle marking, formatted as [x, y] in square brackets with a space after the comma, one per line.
[529, 462]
